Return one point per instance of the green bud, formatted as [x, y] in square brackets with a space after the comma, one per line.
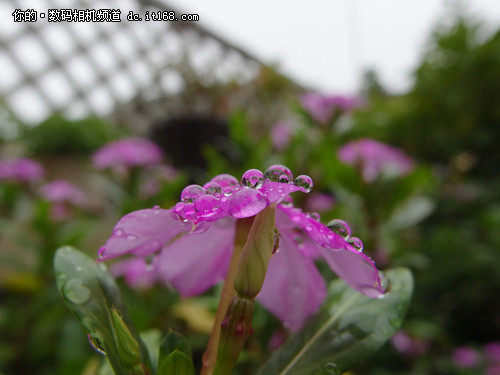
[129, 351]
[256, 254]
[235, 330]
[176, 363]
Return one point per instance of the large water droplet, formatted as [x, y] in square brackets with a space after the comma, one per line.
[225, 180]
[76, 292]
[356, 243]
[340, 227]
[274, 173]
[252, 178]
[277, 241]
[191, 192]
[304, 182]
[206, 205]
[96, 343]
[212, 188]
[246, 203]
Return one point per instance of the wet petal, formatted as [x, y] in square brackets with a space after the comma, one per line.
[136, 271]
[141, 232]
[293, 289]
[195, 262]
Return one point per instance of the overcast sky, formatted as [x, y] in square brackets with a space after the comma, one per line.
[326, 43]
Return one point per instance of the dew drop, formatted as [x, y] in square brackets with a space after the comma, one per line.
[76, 292]
[331, 369]
[212, 188]
[275, 172]
[316, 216]
[252, 178]
[384, 282]
[356, 243]
[206, 205]
[340, 227]
[277, 241]
[225, 180]
[101, 252]
[287, 201]
[95, 343]
[284, 179]
[118, 232]
[304, 182]
[131, 237]
[246, 203]
[191, 192]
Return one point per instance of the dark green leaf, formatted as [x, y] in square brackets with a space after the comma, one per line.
[176, 363]
[172, 342]
[350, 328]
[93, 296]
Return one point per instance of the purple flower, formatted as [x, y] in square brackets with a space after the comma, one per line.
[62, 191]
[465, 357]
[492, 351]
[127, 152]
[21, 170]
[493, 369]
[320, 202]
[373, 158]
[189, 246]
[322, 108]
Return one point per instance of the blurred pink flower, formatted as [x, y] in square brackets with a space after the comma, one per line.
[281, 134]
[62, 191]
[465, 357]
[408, 345]
[320, 202]
[492, 351]
[189, 246]
[127, 152]
[373, 158]
[322, 108]
[493, 369]
[21, 170]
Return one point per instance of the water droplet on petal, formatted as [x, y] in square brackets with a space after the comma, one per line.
[118, 232]
[384, 282]
[246, 203]
[356, 243]
[212, 188]
[316, 216]
[340, 227]
[95, 343]
[76, 292]
[284, 179]
[252, 178]
[191, 192]
[206, 205]
[225, 180]
[131, 237]
[304, 182]
[274, 172]
[277, 241]
[101, 252]
[287, 201]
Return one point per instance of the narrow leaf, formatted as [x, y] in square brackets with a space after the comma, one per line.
[93, 296]
[349, 329]
[176, 363]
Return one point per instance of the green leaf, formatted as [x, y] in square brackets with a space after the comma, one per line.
[176, 363]
[349, 329]
[174, 341]
[93, 296]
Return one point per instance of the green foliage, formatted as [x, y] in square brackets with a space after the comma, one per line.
[350, 328]
[60, 136]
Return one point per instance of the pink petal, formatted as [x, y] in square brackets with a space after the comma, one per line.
[138, 274]
[195, 262]
[141, 232]
[293, 289]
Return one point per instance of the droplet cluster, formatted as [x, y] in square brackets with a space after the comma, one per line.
[225, 196]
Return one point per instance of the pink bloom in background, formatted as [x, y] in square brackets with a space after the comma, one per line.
[492, 351]
[62, 191]
[320, 202]
[189, 246]
[21, 170]
[128, 153]
[373, 158]
[465, 357]
[405, 344]
[493, 369]
[281, 134]
[322, 108]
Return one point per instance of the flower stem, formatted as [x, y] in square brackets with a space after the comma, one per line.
[228, 293]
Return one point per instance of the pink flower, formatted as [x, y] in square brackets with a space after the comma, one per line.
[465, 357]
[320, 202]
[189, 246]
[127, 152]
[21, 170]
[281, 134]
[373, 158]
[493, 369]
[322, 108]
[492, 351]
[62, 191]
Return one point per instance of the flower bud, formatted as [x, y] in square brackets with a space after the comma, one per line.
[128, 348]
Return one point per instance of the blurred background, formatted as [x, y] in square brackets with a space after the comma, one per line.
[392, 109]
